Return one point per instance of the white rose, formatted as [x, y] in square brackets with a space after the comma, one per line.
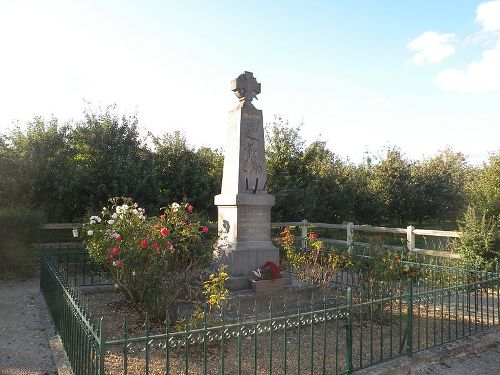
[92, 221]
[134, 211]
[111, 221]
[104, 208]
[75, 233]
[114, 216]
[119, 210]
[175, 207]
[90, 232]
[98, 219]
[124, 207]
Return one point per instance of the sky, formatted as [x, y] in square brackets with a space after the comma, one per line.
[359, 75]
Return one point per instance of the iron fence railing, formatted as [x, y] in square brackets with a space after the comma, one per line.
[363, 326]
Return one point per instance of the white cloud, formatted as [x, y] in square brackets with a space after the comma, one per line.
[432, 47]
[488, 15]
[479, 76]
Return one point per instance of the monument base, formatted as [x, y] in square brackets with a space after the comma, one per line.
[293, 293]
[244, 235]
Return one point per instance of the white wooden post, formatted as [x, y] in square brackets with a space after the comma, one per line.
[304, 233]
[349, 237]
[410, 237]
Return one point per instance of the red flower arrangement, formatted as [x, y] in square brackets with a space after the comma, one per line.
[268, 271]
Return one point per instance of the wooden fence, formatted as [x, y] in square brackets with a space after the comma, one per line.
[410, 232]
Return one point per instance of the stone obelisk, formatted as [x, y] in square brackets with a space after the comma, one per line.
[244, 207]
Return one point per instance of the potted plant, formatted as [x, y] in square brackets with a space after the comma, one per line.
[268, 278]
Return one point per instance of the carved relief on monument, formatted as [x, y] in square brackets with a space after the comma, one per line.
[252, 164]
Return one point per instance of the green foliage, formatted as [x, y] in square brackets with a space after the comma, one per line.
[214, 289]
[485, 187]
[71, 169]
[313, 264]
[479, 232]
[185, 173]
[19, 228]
[68, 170]
[317, 266]
[153, 261]
[215, 293]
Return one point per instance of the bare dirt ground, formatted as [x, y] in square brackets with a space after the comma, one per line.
[24, 347]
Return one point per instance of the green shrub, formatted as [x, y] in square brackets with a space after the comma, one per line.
[479, 234]
[19, 228]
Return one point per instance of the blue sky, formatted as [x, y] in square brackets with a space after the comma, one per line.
[360, 75]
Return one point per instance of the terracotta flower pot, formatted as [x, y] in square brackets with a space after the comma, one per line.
[262, 286]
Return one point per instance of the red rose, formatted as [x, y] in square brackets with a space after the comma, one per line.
[148, 236]
[155, 245]
[189, 208]
[313, 235]
[204, 229]
[118, 238]
[144, 243]
[115, 251]
[118, 263]
[164, 231]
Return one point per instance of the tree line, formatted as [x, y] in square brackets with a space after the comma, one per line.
[67, 170]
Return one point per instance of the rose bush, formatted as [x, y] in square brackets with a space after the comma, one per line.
[313, 265]
[153, 261]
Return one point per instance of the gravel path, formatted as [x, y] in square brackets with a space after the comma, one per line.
[479, 361]
[24, 348]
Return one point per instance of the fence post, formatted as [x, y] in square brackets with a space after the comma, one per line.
[304, 233]
[102, 343]
[410, 237]
[348, 333]
[409, 342]
[349, 237]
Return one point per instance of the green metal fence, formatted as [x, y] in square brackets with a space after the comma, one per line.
[360, 328]
[72, 318]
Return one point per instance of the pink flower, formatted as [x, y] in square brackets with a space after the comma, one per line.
[189, 208]
[115, 251]
[144, 243]
[155, 245]
[118, 263]
[313, 235]
[204, 229]
[168, 245]
[163, 231]
[118, 238]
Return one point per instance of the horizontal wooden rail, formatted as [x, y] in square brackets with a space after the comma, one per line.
[436, 233]
[61, 225]
[410, 233]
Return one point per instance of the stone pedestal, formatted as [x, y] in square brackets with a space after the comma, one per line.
[244, 207]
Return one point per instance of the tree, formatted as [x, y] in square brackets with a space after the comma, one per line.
[110, 159]
[287, 177]
[38, 168]
[485, 186]
[187, 174]
[392, 182]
